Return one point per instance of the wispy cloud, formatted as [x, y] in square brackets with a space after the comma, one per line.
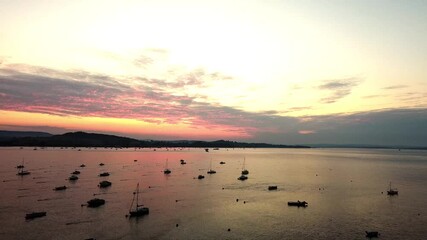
[338, 88]
[150, 56]
[395, 87]
[375, 96]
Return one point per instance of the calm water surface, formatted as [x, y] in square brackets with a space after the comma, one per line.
[345, 189]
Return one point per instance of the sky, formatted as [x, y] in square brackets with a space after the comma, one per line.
[285, 72]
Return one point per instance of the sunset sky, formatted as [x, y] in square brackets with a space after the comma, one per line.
[289, 72]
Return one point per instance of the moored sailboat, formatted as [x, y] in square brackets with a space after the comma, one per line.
[22, 170]
[391, 191]
[211, 171]
[138, 210]
[244, 170]
[167, 170]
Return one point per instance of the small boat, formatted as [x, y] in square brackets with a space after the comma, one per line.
[211, 171]
[206, 149]
[82, 165]
[96, 202]
[221, 162]
[200, 177]
[138, 210]
[60, 188]
[182, 161]
[76, 172]
[391, 191]
[242, 178]
[135, 160]
[35, 215]
[167, 170]
[216, 149]
[298, 203]
[272, 188]
[73, 178]
[104, 174]
[21, 171]
[104, 184]
[244, 170]
[101, 164]
[372, 234]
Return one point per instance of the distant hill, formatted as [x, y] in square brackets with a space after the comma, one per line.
[9, 136]
[366, 146]
[83, 139]
[19, 134]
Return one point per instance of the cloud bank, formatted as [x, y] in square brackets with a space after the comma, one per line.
[47, 91]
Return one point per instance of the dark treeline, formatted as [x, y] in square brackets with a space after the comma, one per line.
[83, 139]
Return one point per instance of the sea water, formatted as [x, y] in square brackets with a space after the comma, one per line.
[346, 191]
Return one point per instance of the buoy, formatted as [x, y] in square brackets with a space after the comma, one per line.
[177, 225]
[244, 202]
[229, 230]
[237, 199]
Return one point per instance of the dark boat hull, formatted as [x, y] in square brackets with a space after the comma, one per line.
[298, 204]
[23, 173]
[392, 192]
[242, 178]
[140, 212]
[60, 188]
[95, 202]
[35, 215]
[104, 184]
[372, 234]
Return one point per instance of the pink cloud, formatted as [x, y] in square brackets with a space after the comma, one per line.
[306, 132]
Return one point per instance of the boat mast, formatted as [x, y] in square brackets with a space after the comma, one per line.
[22, 168]
[244, 160]
[137, 194]
[133, 200]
